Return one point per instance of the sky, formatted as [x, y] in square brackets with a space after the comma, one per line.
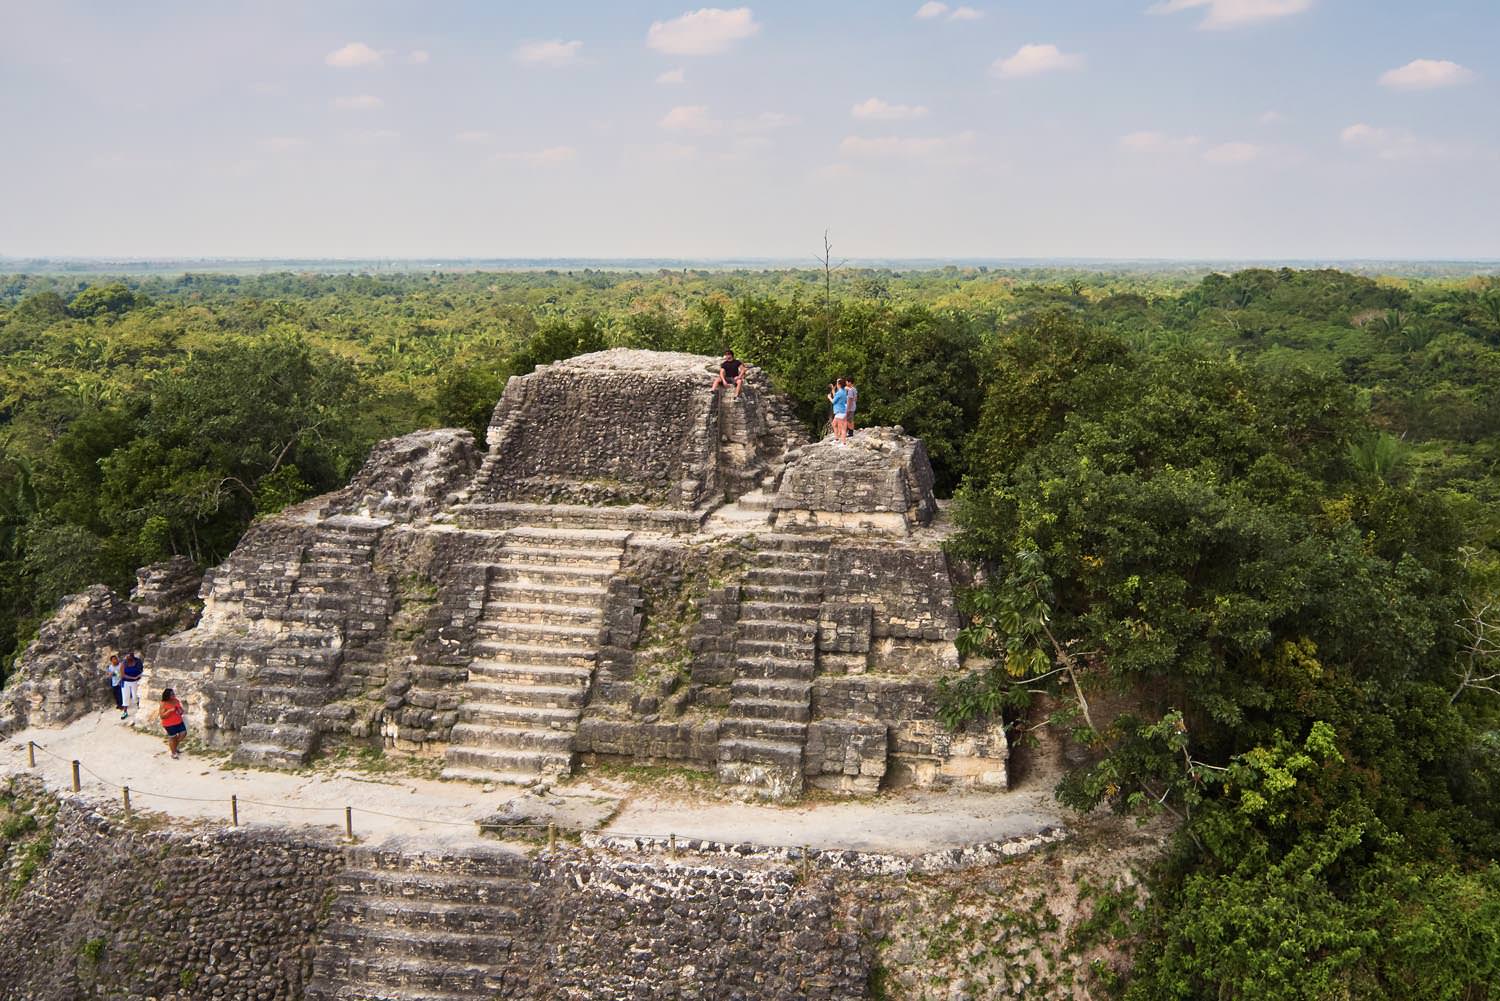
[1186, 129]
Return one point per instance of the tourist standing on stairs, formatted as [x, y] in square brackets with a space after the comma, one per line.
[731, 370]
[130, 684]
[838, 395]
[113, 668]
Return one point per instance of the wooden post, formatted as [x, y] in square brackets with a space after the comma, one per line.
[349, 822]
[31, 754]
[125, 791]
[234, 811]
[552, 837]
[672, 845]
[77, 783]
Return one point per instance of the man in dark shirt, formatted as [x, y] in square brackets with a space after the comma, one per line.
[731, 369]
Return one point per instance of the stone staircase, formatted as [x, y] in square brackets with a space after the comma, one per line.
[424, 928]
[534, 654]
[330, 605]
[761, 739]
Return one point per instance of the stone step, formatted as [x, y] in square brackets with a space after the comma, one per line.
[501, 693]
[336, 989]
[558, 556]
[508, 760]
[343, 942]
[517, 673]
[552, 576]
[281, 714]
[781, 594]
[791, 542]
[534, 653]
[330, 583]
[500, 866]
[631, 517]
[301, 696]
[761, 750]
[419, 889]
[434, 914]
[754, 500]
[789, 559]
[269, 755]
[510, 738]
[544, 593]
[567, 634]
[317, 678]
[775, 667]
[793, 650]
[784, 630]
[771, 709]
[459, 978]
[510, 714]
[780, 610]
[791, 690]
[541, 611]
[582, 538]
[779, 731]
[810, 580]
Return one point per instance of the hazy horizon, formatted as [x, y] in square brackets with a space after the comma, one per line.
[1176, 130]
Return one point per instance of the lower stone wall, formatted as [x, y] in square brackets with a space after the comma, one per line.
[120, 911]
[136, 911]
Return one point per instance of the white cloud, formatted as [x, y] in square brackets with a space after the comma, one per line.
[352, 55]
[1231, 153]
[1390, 144]
[281, 144]
[373, 135]
[418, 56]
[906, 147]
[881, 111]
[688, 118]
[1233, 13]
[672, 77]
[965, 14]
[766, 120]
[1156, 142]
[1426, 74]
[554, 52]
[549, 157]
[1271, 118]
[358, 102]
[931, 9]
[702, 32]
[1031, 60]
[833, 172]
[474, 136]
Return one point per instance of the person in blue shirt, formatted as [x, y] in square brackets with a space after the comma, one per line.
[838, 395]
[130, 683]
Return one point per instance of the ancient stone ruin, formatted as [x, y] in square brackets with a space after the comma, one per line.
[634, 568]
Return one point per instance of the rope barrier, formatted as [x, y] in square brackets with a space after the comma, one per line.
[235, 801]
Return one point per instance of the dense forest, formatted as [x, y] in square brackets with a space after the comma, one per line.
[1260, 510]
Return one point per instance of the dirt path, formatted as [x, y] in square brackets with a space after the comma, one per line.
[387, 807]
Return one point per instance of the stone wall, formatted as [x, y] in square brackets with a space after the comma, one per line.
[120, 910]
[626, 426]
[879, 480]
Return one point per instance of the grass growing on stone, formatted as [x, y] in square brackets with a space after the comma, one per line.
[672, 607]
[368, 759]
[26, 822]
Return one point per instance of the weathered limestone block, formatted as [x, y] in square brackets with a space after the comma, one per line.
[846, 755]
[626, 426]
[880, 480]
[410, 477]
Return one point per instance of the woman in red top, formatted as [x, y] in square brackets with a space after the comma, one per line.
[170, 715]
